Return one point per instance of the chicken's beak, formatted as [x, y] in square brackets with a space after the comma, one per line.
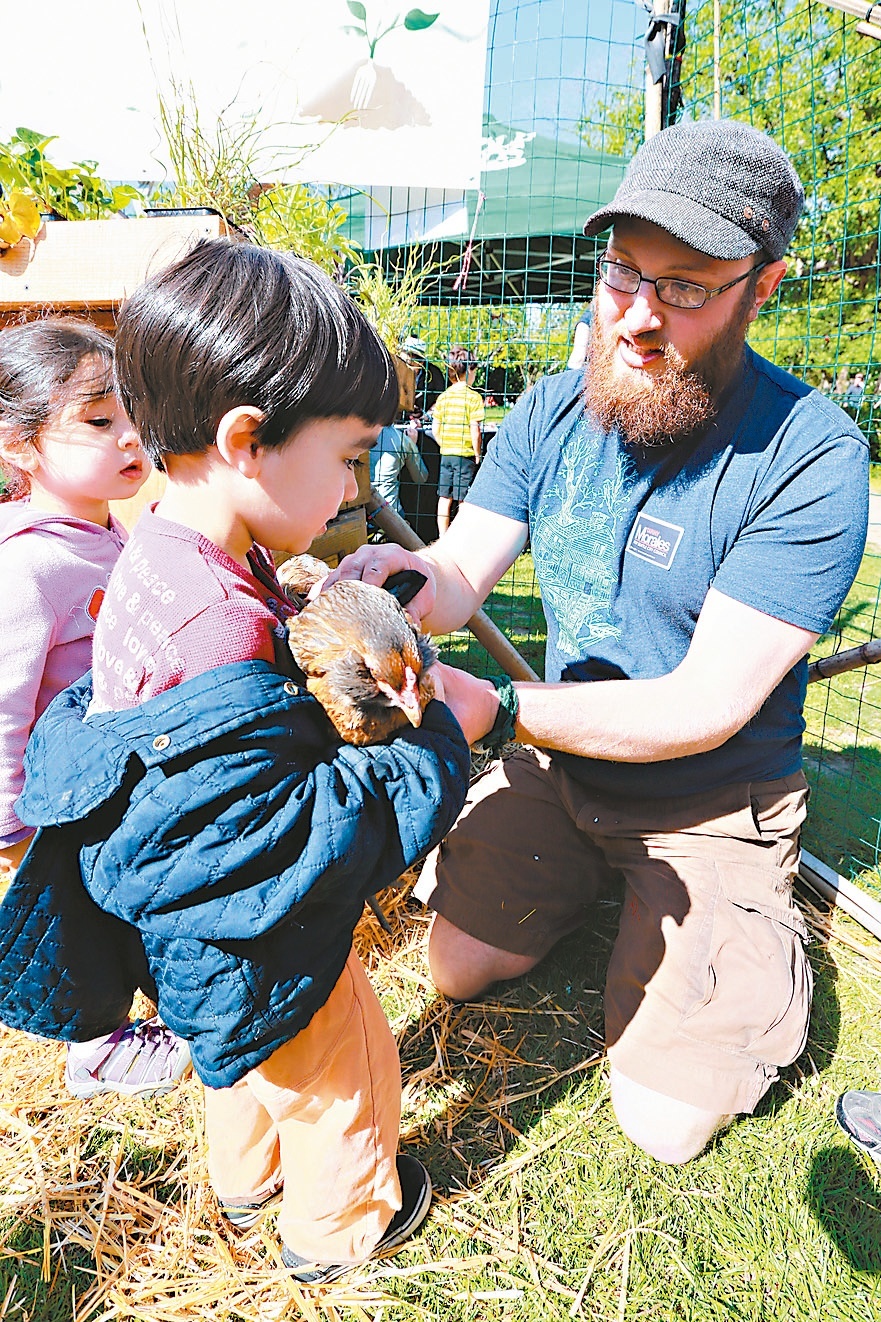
[406, 697]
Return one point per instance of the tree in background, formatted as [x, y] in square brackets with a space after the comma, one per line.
[803, 74]
[515, 343]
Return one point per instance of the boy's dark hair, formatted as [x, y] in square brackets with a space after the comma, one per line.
[37, 360]
[459, 362]
[232, 324]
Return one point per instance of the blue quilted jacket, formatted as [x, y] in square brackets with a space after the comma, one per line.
[213, 846]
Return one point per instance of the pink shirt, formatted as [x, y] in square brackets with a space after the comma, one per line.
[53, 573]
[176, 606]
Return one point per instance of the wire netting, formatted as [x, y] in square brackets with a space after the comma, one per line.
[805, 74]
[505, 271]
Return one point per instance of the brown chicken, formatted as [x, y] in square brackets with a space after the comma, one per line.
[363, 658]
[298, 574]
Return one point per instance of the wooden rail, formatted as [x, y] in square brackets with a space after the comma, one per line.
[869, 14]
[851, 659]
[486, 633]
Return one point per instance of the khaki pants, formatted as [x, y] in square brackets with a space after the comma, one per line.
[321, 1117]
[709, 989]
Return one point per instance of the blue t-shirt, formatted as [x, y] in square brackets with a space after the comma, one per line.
[769, 505]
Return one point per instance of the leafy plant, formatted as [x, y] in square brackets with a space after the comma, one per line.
[75, 193]
[221, 169]
[391, 301]
[213, 168]
[296, 217]
[19, 219]
[415, 20]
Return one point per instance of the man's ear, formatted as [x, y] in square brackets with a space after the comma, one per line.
[768, 280]
[237, 442]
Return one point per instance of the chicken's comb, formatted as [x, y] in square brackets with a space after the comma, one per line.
[404, 585]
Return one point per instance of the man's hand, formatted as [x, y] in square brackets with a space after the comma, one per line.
[473, 702]
[374, 564]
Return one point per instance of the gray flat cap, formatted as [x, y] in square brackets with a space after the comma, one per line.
[717, 185]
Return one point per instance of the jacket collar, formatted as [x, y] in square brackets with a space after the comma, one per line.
[73, 765]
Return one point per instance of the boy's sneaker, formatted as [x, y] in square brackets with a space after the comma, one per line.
[141, 1059]
[416, 1195]
[245, 1215]
[859, 1115]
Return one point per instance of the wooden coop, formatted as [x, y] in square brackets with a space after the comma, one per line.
[89, 267]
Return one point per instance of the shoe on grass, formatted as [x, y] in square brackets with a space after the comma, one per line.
[244, 1215]
[859, 1115]
[416, 1195]
[141, 1059]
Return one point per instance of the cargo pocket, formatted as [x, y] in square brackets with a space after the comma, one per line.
[749, 986]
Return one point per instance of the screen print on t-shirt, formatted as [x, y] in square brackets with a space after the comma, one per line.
[768, 506]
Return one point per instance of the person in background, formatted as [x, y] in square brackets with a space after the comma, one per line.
[430, 379]
[418, 499]
[457, 416]
[66, 450]
[396, 448]
[223, 837]
[581, 339]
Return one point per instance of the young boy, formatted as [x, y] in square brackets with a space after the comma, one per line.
[225, 839]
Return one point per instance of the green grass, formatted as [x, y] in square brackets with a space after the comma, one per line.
[779, 1220]
[875, 479]
[515, 606]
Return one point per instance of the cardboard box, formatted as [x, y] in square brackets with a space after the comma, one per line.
[406, 385]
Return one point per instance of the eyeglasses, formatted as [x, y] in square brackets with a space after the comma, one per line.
[675, 293]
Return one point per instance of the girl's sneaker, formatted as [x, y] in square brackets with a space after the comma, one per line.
[416, 1195]
[859, 1115]
[141, 1059]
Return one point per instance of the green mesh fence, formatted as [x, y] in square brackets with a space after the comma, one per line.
[512, 283]
[565, 96]
[803, 73]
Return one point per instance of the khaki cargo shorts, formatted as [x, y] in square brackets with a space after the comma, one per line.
[708, 990]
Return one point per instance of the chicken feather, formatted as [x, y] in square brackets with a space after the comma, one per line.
[364, 660]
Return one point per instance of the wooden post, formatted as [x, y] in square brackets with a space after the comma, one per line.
[654, 92]
[486, 633]
[717, 59]
[869, 654]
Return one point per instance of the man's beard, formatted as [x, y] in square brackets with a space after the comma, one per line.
[658, 409]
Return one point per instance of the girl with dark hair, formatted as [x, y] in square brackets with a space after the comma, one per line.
[66, 450]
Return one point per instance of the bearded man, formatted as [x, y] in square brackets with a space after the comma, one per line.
[696, 517]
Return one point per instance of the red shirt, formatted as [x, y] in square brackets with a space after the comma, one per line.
[176, 606]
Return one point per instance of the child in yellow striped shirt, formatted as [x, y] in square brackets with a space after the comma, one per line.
[457, 416]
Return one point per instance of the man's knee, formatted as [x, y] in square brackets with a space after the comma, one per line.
[668, 1130]
[463, 967]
